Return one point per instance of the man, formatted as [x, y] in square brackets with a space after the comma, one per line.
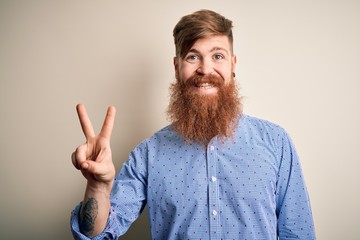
[214, 173]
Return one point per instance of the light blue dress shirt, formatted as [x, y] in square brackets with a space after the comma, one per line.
[246, 187]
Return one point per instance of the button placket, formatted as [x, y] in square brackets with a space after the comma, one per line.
[213, 192]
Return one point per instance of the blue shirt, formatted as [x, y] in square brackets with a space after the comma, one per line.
[249, 187]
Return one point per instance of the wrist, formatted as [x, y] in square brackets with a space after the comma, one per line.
[94, 187]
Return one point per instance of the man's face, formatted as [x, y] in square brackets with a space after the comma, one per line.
[208, 56]
[204, 101]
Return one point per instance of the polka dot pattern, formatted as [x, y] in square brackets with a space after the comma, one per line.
[247, 187]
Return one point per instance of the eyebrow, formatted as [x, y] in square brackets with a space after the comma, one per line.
[214, 49]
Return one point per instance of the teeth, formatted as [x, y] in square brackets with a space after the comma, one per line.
[205, 85]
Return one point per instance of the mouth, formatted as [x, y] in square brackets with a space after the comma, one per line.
[205, 86]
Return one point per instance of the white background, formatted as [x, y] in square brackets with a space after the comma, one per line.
[298, 66]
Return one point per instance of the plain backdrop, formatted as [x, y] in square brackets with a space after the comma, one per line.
[298, 66]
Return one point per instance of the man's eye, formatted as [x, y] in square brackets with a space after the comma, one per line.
[218, 57]
[192, 58]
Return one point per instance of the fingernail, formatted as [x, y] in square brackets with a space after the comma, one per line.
[85, 166]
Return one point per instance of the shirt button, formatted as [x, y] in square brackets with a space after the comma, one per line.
[214, 212]
[212, 148]
[213, 178]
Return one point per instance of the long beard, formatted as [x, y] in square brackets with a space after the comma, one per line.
[200, 117]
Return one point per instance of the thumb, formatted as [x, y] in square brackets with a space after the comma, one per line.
[99, 172]
[96, 168]
[90, 166]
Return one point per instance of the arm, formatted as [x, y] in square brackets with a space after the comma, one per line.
[94, 160]
[94, 210]
[293, 206]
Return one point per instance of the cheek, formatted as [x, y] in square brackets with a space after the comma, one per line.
[227, 72]
[186, 73]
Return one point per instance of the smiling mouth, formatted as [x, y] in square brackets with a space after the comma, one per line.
[204, 85]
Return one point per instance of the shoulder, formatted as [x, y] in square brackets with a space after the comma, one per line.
[263, 130]
[162, 136]
[255, 124]
[166, 134]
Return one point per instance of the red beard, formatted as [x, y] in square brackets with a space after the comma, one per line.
[200, 117]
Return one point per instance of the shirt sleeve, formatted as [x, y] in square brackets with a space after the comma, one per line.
[295, 219]
[128, 198]
[110, 231]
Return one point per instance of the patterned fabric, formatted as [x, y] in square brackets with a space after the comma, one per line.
[246, 187]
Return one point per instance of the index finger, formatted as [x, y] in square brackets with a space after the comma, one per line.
[108, 125]
[85, 121]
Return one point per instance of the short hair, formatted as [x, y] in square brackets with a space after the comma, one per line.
[200, 24]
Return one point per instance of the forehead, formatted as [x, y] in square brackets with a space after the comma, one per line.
[212, 43]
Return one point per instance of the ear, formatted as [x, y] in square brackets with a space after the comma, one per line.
[176, 63]
[233, 61]
[176, 66]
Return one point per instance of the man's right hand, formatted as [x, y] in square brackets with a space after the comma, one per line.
[93, 157]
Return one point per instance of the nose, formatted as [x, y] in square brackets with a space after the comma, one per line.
[206, 67]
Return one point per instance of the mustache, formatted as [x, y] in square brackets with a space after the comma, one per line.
[198, 79]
